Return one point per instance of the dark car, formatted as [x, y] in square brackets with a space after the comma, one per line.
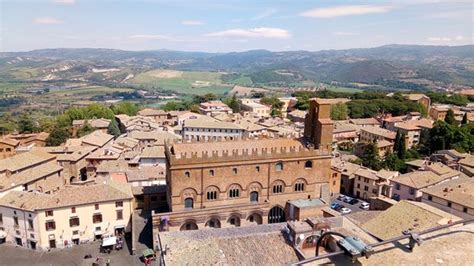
[353, 201]
[336, 206]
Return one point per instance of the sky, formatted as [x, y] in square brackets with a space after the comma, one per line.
[231, 25]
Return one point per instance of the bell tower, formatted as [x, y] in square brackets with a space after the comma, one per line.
[318, 124]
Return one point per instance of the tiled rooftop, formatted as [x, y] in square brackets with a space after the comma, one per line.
[68, 196]
[460, 191]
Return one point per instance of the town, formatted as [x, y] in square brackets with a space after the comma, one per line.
[257, 174]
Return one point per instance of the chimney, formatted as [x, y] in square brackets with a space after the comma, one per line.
[318, 124]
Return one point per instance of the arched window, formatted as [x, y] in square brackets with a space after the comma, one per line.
[234, 170]
[279, 166]
[254, 196]
[299, 186]
[308, 164]
[188, 203]
[278, 187]
[211, 195]
[187, 174]
[234, 191]
[211, 172]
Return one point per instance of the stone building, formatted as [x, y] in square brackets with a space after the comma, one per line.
[243, 182]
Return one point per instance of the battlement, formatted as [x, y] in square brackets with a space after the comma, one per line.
[182, 152]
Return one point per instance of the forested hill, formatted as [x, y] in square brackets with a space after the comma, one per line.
[390, 63]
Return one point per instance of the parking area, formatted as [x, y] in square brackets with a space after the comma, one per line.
[353, 207]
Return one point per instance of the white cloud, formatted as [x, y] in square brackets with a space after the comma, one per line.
[148, 37]
[343, 33]
[264, 14]
[274, 33]
[439, 39]
[337, 11]
[64, 2]
[192, 22]
[459, 38]
[47, 21]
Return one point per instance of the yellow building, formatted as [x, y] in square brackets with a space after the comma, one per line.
[71, 216]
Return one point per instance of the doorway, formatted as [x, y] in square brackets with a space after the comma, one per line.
[276, 215]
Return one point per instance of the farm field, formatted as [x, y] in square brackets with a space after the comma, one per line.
[344, 89]
[185, 82]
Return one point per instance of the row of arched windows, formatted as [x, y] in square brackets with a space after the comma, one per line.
[278, 167]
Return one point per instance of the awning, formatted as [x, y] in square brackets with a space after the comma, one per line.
[109, 241]
[119, 227]
[98, 233]
[148, 252]
[3, 234]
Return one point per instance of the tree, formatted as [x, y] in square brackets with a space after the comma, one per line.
[464, 119]
[113, 128]
[57, 136]
[275, 103]
[84, 130]
[127, 108]
[339, 111]
[371, 158]
[234, 104]
[450, 117]
[402, 147]
[26, 124]
[194, 108]
[392, 162]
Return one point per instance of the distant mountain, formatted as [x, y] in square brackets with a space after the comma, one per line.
[428, 65]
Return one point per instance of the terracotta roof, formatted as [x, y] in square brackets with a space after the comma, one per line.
[420, 179]
[24, 160]
[459, 190]
[248, 245]
[76, 155]
[364, 121]
[208, 122]
[153, 152]
[159, 136]
[29, 175]
[10, 142]
[384, 143]
[97, 138]
[375, 130]
[151, 112]
[468, 161]
[415, 96]
[416, 124]
[406, 215]
[68, 196]
[346, 168]
[340, 127]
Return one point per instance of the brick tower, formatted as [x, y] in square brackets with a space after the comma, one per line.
[318, 124]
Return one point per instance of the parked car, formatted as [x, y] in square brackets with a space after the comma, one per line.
[364, 206]
[336, 206]
[345, 211]
[341, 197]
[347, 199]
[353, 201]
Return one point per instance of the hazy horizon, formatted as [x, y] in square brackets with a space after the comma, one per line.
[232, 26]
[261, 49]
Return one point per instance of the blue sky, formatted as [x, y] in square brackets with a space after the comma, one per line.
[229, 25]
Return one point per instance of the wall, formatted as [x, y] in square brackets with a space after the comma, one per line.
[86, 229]
[442, 204]
[210, 133]
[404, 192]
[26, 234]
[248, 179]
